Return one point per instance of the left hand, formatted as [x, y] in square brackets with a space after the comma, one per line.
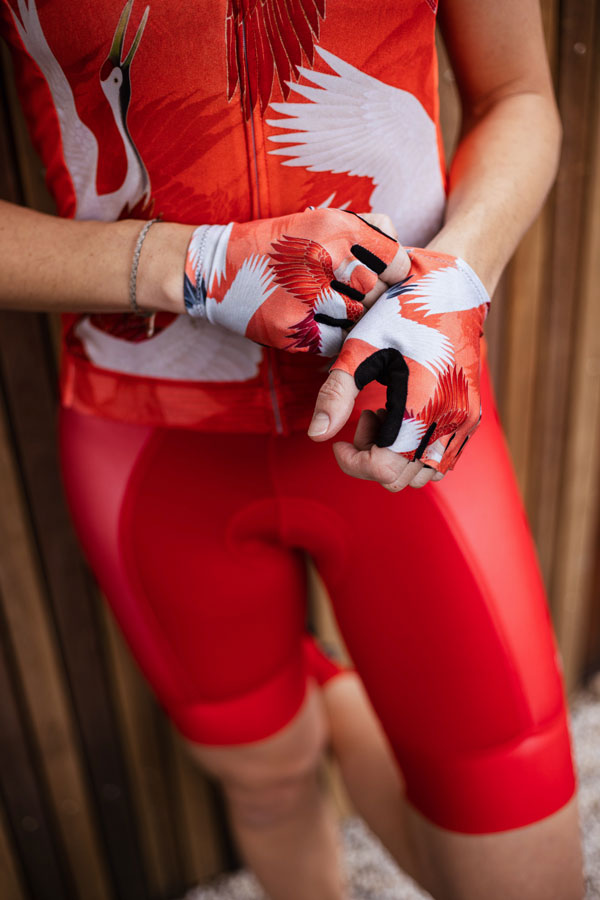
[429, 326]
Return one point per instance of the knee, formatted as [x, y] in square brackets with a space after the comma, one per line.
[267, 781]
[263, 803]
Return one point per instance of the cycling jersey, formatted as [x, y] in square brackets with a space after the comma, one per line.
[215, 112]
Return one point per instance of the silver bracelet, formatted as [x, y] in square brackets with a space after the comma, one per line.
[146, 314]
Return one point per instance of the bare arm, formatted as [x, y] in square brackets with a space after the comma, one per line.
[502, 170]
[507, 156]
[49, 263]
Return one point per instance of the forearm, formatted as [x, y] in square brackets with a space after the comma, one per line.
[55, 264]
[501, 173]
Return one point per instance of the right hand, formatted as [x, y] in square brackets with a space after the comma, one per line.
[296, 282]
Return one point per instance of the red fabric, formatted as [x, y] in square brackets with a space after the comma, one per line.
[201, 123]
[197, 542]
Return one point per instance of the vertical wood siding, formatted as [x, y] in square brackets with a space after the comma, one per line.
[98, 799]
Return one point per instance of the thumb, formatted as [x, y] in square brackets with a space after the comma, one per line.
[335, 402]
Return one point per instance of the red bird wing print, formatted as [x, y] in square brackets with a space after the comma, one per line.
[267, 38]
[449, 406]
[301, 266]
[304, 268]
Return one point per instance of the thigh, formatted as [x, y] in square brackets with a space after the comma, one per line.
[439, 598]
[181, 532]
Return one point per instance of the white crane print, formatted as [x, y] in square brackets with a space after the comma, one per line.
[444, 290]
[357, 124]
[385, 326]
[80, 146]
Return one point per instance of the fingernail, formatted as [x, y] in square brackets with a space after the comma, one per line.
[319, 424]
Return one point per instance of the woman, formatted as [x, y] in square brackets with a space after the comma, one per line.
[192, 484]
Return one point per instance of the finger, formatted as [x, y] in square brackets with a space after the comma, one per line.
[366, 430]
[410, 471]
[359, 277]
[437, 454]
[443, 453]
[422, 478]
[382, 221]
[374, 464]
[379, 288]
[398, 269]
[335, 402]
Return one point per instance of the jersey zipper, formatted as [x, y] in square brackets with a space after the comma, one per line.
[254, 159]
[268, 352]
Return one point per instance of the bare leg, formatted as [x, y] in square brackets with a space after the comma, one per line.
[540, 862]
[285, 826]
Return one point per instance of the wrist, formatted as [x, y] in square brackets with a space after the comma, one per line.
[160, 274]
[470, 240]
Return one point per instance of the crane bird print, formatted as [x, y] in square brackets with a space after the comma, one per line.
[354, 123]
[80, 145]
[266, 42]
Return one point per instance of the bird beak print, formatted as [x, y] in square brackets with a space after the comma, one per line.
[116, 50]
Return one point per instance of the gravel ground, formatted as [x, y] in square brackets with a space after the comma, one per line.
[373, 874]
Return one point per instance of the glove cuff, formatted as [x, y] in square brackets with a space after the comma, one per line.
[205, 264]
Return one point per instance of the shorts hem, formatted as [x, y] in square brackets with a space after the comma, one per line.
[500, 790]
[252, 716]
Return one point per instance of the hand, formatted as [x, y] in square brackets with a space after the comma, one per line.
[295, 282]
[421, 340]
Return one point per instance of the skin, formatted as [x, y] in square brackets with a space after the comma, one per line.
[498, 180]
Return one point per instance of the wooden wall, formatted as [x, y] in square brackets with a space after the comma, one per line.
[98, 800]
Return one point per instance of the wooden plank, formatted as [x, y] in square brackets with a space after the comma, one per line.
[199, 830]
[30, 169]
[592, 648]
[10, 187]
[45, 693]
[26, 811]
[144, 731]
[576, 545]
[561, 303]
[30, 391]
[12, 884]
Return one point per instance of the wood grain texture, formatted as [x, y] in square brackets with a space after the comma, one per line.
[31, 401]
[44, 691]
[577, 534]
[557, 326]
[144, 732]
[12, 882]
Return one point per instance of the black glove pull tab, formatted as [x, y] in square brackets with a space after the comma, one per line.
[389, 368]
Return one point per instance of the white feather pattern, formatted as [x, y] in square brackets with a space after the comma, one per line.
[409, 436]
[330, 303]
[80, 147]
[252, 284]
[208, 248]
[188, 349]
[446, 290]
[357, 124]
[384, 326]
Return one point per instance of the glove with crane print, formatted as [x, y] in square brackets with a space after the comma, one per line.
[294, 282]
[421, 340]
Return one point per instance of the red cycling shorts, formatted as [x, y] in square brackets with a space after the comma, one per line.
[198, 542]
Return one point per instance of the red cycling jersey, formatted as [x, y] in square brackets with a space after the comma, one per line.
[226, 110]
